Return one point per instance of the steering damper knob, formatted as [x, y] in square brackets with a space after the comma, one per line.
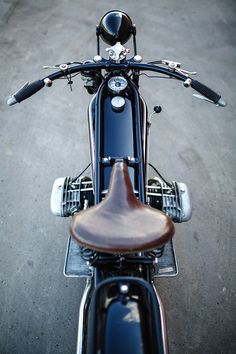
[157, 109]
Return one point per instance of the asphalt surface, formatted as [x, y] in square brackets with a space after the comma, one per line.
[46, 137]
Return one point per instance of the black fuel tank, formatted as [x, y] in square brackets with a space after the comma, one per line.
[117, 134]
[118, 130]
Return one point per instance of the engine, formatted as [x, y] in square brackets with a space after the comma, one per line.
[71, 195]
[172, 198]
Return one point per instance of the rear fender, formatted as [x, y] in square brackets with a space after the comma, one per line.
[126, 317]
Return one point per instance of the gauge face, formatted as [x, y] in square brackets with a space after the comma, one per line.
[118, 103]
[117, 84]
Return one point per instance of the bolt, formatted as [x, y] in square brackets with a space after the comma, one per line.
[124, 289]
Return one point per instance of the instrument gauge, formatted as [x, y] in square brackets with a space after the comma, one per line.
[117, 84]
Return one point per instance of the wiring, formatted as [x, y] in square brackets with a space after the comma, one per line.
[74, 179]
[155, 76]
[158, 173]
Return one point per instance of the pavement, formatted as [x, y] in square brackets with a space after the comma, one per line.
[46, 137]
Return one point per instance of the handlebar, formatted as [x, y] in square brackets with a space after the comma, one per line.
[205, 91]
[25, 92]
[29, 89]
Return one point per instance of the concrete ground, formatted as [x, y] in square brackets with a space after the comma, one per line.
[46, 137]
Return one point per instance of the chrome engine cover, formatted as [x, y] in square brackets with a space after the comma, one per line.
[71, 195]
[173, 199]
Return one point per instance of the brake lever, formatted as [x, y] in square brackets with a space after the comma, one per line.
[171, 64]
[175, 66]
[186, 72]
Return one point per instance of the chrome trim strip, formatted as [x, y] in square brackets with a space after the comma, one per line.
[145, 136]
[91, 135]
[82, 310]
[163, 322]
[66, 257]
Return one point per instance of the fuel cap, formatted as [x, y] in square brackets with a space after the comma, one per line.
[118, 103]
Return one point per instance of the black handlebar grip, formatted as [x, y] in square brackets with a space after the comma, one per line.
[205, 91]
[26, 91]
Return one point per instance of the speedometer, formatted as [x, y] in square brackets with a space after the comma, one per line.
[117, 84]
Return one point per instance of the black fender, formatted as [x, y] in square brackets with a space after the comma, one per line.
[125, 316]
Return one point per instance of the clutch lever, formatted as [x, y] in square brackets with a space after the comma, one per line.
[61, 66]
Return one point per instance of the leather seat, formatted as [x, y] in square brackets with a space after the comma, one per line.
[121, 223]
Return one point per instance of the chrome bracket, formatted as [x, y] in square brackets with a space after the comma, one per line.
[175, 66]
[117, 52]
[63, 67]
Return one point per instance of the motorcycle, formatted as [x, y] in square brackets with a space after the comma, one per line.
[122, 222]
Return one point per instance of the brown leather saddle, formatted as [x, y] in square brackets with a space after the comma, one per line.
[121, 223]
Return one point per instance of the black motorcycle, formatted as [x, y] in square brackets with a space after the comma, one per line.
[122, 222]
